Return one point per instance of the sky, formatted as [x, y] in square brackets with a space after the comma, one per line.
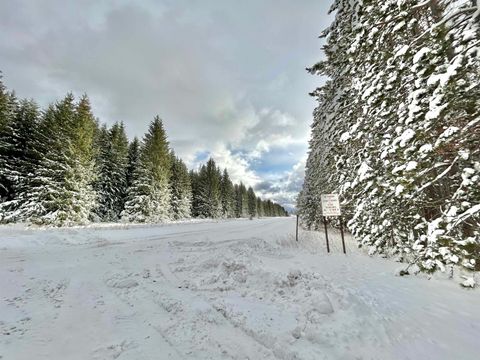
[227, 77]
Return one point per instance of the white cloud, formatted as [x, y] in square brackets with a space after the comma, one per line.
[284, 189]
[221, 75]
[238, 167]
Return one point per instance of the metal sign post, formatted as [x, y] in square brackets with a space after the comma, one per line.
[326, 233]
[343, 238]
[331, 207]
[296, 230]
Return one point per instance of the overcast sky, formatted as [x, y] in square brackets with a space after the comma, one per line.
[227, 77]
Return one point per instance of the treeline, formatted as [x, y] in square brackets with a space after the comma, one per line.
[59, 166]
[397, 129]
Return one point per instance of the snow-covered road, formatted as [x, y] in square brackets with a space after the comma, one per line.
[219, 290]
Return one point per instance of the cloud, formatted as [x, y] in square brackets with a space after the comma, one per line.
[226, 77]
[284, 189]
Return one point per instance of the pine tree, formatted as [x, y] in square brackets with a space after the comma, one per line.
[21, 154]
[181, 189]
[61, 185]
[112, 162]
[396, 129]
[241, 200]
[269, 208]
[227, 195]
[195, 181]
[82, 136]
[251, 203]
[148, 199]
[49, 200]
[133, 162]
[208, 196]
[260, 210]
[8, 106]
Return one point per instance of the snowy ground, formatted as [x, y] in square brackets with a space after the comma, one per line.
[227, 290]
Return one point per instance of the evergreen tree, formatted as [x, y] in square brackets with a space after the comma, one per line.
[209, 201]
[396, 129]
[112, 162]
[8, 105]
[195, 182]
[260, 210]
[227, 195]
[82, 135]
[241, 208]
[269, 208]
[251, 203]
[180, 188]
[148, 199]
[133, 162]
[21, 154]
[61, 191]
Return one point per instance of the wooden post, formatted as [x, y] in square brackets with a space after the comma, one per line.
[296, 230]
[343, 238]
[326, 233]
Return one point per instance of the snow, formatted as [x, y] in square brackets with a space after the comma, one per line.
[237, 289]
[411, 165]
[420, 54]
[406, 136]
[399, 189]
[402, 51]
[364, 171]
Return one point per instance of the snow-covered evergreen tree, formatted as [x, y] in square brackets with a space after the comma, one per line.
[251, 202]
[112, 163]
[241, 201]
[208, 196]
[227, 195]
[180, 188]
[195, 181]
[82, 135]
[8, 106]
[60, 187]
[148, 199]
[20, 155]
[396, 129]
[134, 152]
[260, 210]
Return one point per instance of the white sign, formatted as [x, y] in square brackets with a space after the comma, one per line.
[330, 205]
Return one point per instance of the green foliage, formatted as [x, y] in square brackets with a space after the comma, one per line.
[112, 163]
[148, 198]
[181, 189]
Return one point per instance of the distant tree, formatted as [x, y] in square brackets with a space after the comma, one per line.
[195, 182]
[134, 152]
[180, 188]
[148, 199]
[209, 201]
[227, 195]
[251, 202]
[241, 208]
[260, 210]
[112, 163]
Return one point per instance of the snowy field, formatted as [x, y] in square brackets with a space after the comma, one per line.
[236, 289]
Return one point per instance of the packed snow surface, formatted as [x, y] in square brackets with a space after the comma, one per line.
[240, 289]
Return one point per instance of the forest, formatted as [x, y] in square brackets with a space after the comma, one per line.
[60, 166]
